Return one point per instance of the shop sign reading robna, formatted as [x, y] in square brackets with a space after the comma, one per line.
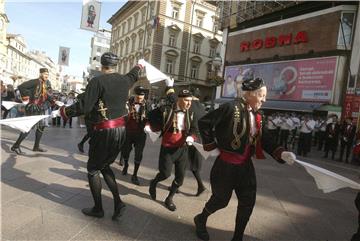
[272, 41]
[296, 80]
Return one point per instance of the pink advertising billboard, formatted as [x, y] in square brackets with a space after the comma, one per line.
[297, 80]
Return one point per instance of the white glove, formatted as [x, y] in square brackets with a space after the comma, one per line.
[147, 128]
[59, 103]
[189, 140]
[169, 82]
[215, 152]
[142, 62]
[288, 157]
[55, 113]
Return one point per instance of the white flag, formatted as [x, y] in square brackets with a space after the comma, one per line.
[326, 180]
[64, 54]
[9, 104]
[90, 15]
[23, 124]
[199, 148]
[153, 74]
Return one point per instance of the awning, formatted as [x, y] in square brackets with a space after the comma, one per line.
[291, 105]
[284, 105]
[332, 108]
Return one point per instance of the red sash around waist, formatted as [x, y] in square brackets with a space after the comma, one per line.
[235, 158]
[108, 124]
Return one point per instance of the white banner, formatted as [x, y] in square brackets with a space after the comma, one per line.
[64, 54]
[90, 15]
[153, 74]
[23, 124]
[9, 104]
[326, 180]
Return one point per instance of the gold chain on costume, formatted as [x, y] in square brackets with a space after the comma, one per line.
[175, 130]
[236, 143]
[102, 110]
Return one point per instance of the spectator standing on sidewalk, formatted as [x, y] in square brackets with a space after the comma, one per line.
[347, 134]
[306, 127]
[332, 137]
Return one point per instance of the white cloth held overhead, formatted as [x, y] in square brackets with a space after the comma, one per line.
[326, 180]
[288, 157]
[59, 103]
[23, 124]
[153, 74]
[55, 113]
[9, 104]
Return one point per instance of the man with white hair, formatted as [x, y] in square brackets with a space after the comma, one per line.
[234, 133]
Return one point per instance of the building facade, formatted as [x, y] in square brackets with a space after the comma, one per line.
[100, 43]
[4, 21]
[302, 50]
[179, 37]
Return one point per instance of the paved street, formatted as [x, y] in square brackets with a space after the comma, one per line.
[42, 195]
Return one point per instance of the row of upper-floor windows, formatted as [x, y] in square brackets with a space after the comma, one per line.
[134, 21]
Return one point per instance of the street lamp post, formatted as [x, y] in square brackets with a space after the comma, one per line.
[216, 79]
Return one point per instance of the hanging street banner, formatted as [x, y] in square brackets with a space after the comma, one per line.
[90, 16]
[64, 54]
[305, 79]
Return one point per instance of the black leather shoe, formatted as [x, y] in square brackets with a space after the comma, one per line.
[17, 150]
[38, 149]
[200, 226]
[152, 190]
[135, 180]
[93, 213]
[169, 204]
[201, 189]
[119, 211]
[81, 147]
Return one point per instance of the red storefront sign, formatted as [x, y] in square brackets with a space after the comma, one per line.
[271, 42]
[351, 107]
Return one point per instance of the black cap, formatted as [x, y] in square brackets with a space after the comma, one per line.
[139, 90]
[185, 93]
[252, 84]
[109, 59]
[43, 70]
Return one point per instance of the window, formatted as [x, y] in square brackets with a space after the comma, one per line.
[199, 21]
[123, 28]
[172, 42]
[136, 16]
[127, 47]
[143, 15]
[209, 71]
[215, 27]
[133, 44]
[141, 39]
[175, 13]
[121, 48]
[212, 52]
[148, 41]
[125, 67]
[129, 24]
[346, 29]
[196, 46]
[169, 66]
[194, 71]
